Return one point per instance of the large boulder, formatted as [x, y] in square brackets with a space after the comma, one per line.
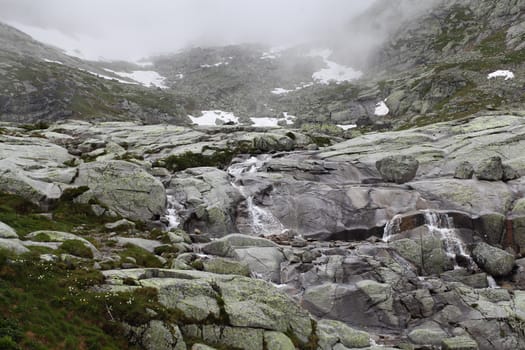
[7, 231]
[493, 260]
[123, 187]
[206, 198]
[398, 169]
[464, 170]
[490, 169]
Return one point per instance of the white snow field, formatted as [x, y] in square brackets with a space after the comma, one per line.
[147, 78]
[334, 72]
[209, 118]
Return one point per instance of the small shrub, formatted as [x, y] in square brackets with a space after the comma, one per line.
[141, 256]
[76, 248]
[7, 343]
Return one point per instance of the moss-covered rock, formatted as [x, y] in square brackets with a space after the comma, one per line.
[493, 260]
[332, 332]
[124, 188]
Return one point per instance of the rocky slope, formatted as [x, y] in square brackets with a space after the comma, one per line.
[119, 235]
[152, 214]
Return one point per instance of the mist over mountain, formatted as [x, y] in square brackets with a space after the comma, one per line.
[135, 29]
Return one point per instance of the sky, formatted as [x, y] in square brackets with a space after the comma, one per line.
[134, 29]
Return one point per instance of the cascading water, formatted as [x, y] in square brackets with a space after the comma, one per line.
[391, 228]
[261, 221]
[171, 217]
[442, 225]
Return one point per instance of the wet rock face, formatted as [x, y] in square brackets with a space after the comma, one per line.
[398, 169]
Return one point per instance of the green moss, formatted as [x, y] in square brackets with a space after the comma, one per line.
[26, 217]
[69, 194]
[321, 141]
[220, 158]
[40, 125]
[76, 248]
[141, 256]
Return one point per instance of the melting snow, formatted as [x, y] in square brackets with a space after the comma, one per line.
[52, 61]
[334, 72]
[289, 118]
[218, 64]
[273, 122]
[265, 122]
[144, 77]
[280, 91]
[346, 126]
[381, 109]
[507, 74]
[108, 77]
[209, 118]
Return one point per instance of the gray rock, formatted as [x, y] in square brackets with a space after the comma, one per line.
[509, 173]
[265, 262]
[226, 246]
[226, 267]
[120, 225]
[157, 335]
[278, 341]
[201, 347]
[331, 332]
[254, 303]
[398, 169]
[123, 187]
[147, 244]
[208, 198]
[7, 231]
[464, 170]
[427, 336]
[459, 343]
[494, 261]
[13, 245]
[490, 169]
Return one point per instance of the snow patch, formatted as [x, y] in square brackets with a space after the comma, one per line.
[265, 122]
[289, 118]
[108, 77]
[218, 64]
[52, 61]
[381, 109]
[335, 72]
[209, 118]
[273, 122]
[147, 78]
[346, 126]
[280, 91]
[274, 53]
[507, 74]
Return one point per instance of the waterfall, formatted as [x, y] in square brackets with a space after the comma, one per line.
[262, 221]
[171, 217]
[391, 228]
[442, 225]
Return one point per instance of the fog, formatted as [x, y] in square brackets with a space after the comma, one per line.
[133, 29]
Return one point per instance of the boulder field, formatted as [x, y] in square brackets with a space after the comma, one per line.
[256, 240]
